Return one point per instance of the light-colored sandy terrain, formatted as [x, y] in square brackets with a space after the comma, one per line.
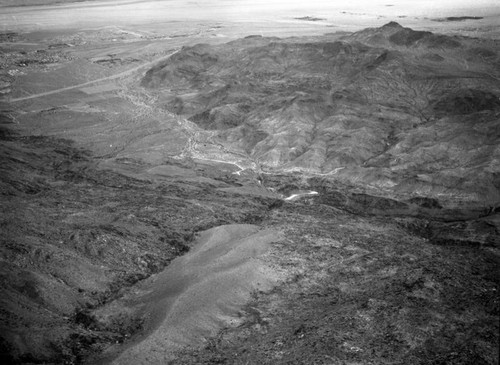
[86, 88]
[199, 293]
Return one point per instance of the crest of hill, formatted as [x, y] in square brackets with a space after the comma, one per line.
[401, 110]
[393, 34]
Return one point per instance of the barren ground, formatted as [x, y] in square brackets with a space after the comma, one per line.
[139, 229]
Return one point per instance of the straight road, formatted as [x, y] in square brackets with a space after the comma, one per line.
[107, 78]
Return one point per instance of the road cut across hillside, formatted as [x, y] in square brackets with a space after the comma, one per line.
[198, 293]
[299, 195]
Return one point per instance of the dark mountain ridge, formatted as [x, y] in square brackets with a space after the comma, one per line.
[403, 111]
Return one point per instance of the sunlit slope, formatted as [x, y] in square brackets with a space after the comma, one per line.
[399, 110]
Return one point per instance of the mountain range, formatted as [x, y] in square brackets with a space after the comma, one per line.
[407, 112]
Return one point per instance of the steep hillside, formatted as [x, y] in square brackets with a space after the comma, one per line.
[75, 237]
[403, 112]
[339, 197]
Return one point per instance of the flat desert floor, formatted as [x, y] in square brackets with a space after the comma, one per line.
[277, 18]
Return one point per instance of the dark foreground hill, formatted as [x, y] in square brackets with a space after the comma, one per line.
[408, 113]
[75, 237]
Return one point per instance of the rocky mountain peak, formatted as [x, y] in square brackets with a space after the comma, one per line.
[392, 24]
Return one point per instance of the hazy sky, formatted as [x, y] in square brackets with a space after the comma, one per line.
[371, 3]
[361, 4]
[410, 6]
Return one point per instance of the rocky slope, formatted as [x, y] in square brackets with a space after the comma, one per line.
[393, 259]
[404, 112]
[75, 237]
[364, 291]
